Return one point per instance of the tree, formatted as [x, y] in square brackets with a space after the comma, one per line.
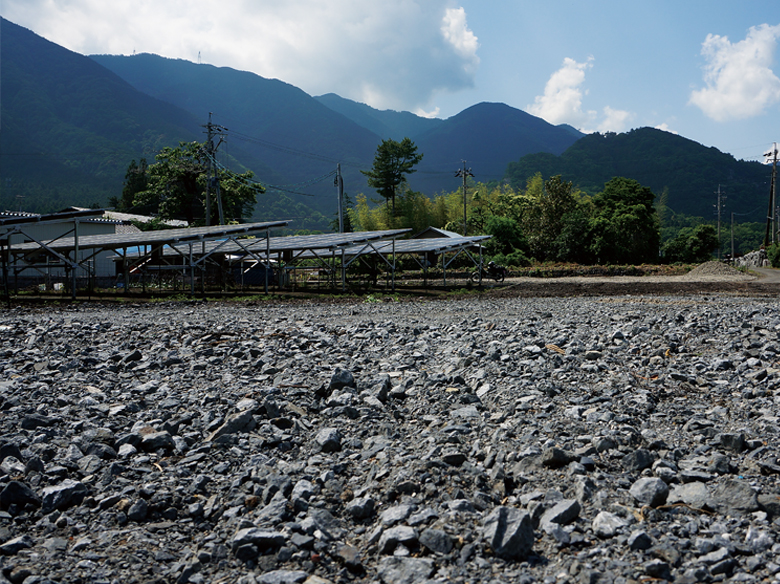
[544, 220]
[392, 162]
[625, 226]
[136, 181]
[692, 245]
[176, 187]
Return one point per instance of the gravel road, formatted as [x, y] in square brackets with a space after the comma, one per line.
[556, 440]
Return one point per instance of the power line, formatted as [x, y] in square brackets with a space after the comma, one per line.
[287, 188]
[284, 149]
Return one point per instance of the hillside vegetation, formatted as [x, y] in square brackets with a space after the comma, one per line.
[683, 173]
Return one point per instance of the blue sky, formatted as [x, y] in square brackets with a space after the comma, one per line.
[708, 70]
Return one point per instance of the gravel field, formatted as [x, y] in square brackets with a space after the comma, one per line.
[556, 440]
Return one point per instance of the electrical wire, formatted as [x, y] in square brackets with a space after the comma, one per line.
[288, 188]
[284, 149]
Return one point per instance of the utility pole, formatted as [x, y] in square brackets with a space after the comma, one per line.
[464, 172]
[732, 237]
[212, 180]
[340, 191]
[771, 156]
[719, 207]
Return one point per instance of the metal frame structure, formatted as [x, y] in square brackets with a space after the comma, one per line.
[348, 247]
[324, 248]
[25, 256]
[15, 225]
[417, 248]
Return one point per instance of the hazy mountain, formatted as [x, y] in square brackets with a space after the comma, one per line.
[488, 136]
[689, 172]
[70, 127]
[72, 124]
[302, 137]
[274, 122]
[383, 123]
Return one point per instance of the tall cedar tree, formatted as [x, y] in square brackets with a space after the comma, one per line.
[392, 162]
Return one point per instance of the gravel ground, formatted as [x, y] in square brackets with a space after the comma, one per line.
[607, 439]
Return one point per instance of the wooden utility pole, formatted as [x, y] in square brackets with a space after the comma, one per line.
[464, 172]
[732, 237]
[771, 156]
[719, 207]
[340, 191]
[212, 180]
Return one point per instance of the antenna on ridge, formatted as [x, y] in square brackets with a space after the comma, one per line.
[198, 57]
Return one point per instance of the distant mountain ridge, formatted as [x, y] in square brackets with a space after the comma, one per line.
[689, 172]
[72, 124]
[488, 136]
[290, 136]
[383, 123]
[69, 126]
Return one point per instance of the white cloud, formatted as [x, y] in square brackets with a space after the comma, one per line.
[391, 54]
[615, 120]
[739, 78]
[561, 102]
[456, 31]
[665, 128]
[423, 114]
[562, 99]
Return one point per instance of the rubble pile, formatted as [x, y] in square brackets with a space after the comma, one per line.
[547, 440]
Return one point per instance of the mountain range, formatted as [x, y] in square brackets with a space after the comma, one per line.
[71, 124]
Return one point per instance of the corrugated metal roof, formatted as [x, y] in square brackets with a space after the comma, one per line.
[10, 218]
[292, 243]
[165, 236]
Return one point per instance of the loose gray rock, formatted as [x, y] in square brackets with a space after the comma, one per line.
[263, 539]
[650, 491]
[437, 541]
[606, 524]
[398, 535]
[562, 513]
[734, 496]
[329, 440]
[361, 508]
[508, 532]
[405, 570]
[19, 494]
[283, 577]
[157, 440]
[64, 495]
[695, 494]
[340, 379]
[15, 545]
[243, 421]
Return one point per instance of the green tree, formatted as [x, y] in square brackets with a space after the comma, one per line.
[507, 236]
[692, 244]
[177, 187]
[393, 161]
[136, 181]
[572, 244]
[624, 226]
[544, 219]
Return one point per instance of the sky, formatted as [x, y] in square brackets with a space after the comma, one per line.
[708, 70]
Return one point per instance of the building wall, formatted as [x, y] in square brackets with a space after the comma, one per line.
[104, 267]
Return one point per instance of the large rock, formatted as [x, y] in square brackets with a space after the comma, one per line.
[63, 495]
[19, 494]
[650, 491]
[734, 497]
[243, 421]
[508, 532]
[405, 570]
